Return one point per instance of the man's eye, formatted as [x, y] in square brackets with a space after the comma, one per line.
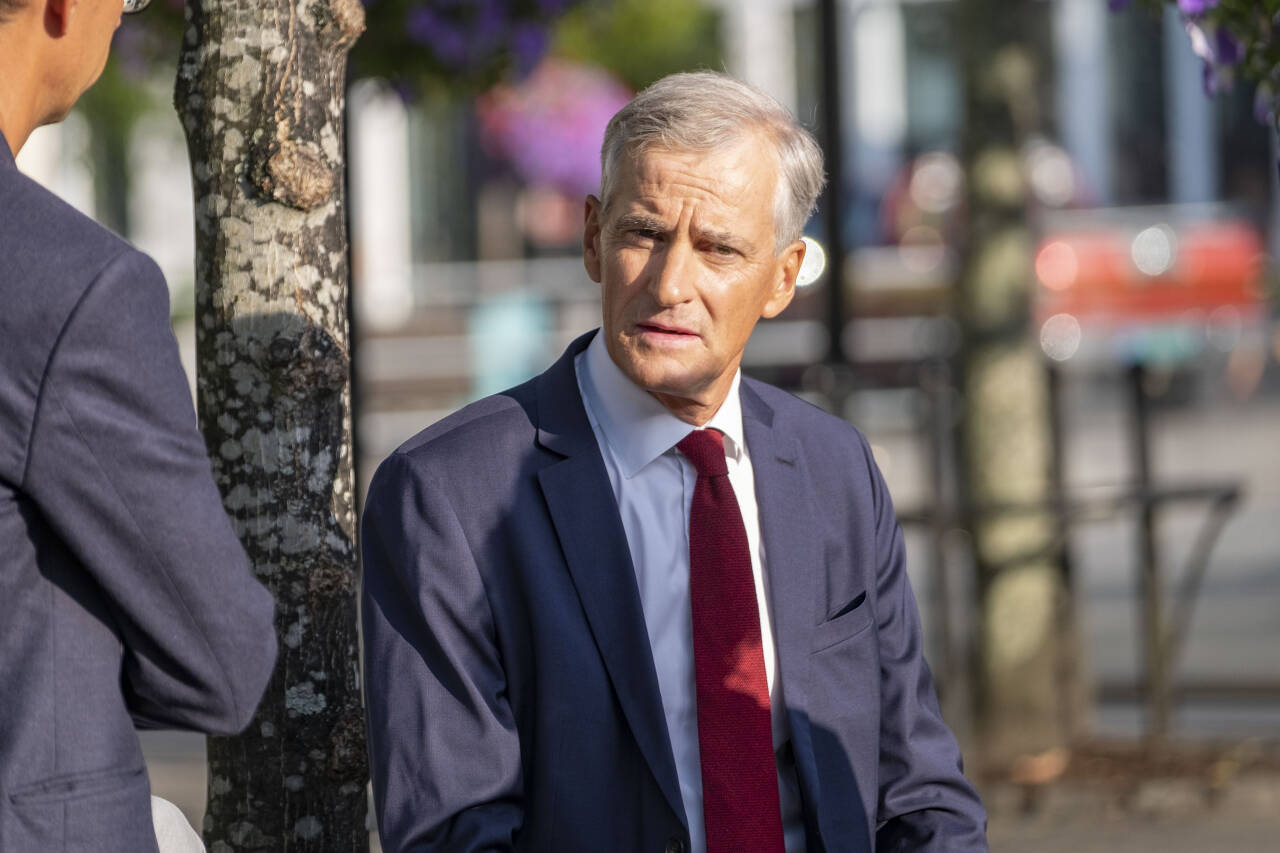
[643, 236]
[724, 251]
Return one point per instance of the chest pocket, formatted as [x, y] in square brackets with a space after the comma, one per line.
[848, 621]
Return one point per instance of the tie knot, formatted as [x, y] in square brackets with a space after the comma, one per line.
[705, 449]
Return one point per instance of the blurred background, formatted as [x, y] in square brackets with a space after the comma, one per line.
[1050, 302]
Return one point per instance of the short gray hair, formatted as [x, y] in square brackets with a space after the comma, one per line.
[705, 110]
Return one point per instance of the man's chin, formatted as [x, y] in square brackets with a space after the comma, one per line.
[55, 115]
[668, 381]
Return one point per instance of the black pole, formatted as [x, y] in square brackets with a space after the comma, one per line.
[354, 388]
[1068, 661]
[832, 207]
[1155, 674]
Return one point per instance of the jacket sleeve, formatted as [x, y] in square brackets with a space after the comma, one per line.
[119, 470]
[925, 802]
[445, 754]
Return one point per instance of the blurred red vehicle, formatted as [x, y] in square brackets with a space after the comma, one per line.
[1147, 285]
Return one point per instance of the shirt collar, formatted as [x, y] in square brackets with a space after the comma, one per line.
[638, 428]
[6, 156]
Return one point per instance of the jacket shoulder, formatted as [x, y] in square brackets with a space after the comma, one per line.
[51, 254]
[50, 257]
[485, 434]
[805, 420]
[45, 242]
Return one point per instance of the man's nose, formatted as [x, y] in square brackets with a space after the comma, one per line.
[669, 272]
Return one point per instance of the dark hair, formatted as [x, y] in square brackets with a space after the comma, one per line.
[8, 6]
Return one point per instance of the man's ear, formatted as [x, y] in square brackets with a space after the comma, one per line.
[57, 16]
[591, 238]
[784, 288]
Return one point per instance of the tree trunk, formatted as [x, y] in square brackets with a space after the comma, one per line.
[260, 92]
[1028, 655]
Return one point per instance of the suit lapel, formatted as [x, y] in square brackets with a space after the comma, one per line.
[6, 156]
[795, 566]
[585, 515]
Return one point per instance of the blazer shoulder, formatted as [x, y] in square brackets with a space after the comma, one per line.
[799, 417]
[52, 256]
[46, 241]
[484, 433]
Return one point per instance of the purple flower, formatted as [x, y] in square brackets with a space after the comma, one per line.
[528, 44]
[488, 25]
[550, 126]
[1220, 51]
[422, 25]
[1196, 7]
[445, 40]
[1117, 5]
[1215, 80]
[1228, 48]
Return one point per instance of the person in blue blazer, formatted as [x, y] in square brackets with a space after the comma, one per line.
[577, 637]
[126, 600]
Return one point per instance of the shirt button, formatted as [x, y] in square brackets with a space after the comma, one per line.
[675, 845]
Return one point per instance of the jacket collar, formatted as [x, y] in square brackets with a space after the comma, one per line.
[6, 155]
[559, 415]
[585, 515]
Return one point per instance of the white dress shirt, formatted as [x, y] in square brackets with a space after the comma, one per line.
[653, 484]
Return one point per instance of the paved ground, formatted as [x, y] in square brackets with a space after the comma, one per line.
[1159, 816]
[1163, 817]
[1083, 835]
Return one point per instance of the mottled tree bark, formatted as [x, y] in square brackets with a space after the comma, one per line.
[260, 93]
[1028, 671]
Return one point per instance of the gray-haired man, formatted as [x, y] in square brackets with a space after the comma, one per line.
[641, 602]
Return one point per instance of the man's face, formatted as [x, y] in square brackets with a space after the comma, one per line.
[685, 257]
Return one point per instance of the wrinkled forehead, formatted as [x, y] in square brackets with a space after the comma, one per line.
[743, 164]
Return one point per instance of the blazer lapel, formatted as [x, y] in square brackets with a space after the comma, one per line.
[795, 566]
[585, 515]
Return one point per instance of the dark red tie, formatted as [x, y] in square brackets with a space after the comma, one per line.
[735, 734]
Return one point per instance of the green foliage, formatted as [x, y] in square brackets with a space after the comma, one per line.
[641, 40]
[1234, 37]
[452, 47]
[437, 47]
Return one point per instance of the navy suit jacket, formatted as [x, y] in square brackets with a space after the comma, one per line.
[125, 598]
[513, 702]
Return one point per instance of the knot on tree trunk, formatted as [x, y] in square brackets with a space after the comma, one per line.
[309, 359]
[313, 359]
[295, 174]
[340, 21]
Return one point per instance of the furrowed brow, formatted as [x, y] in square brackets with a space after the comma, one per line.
[640, 222]
[725, 237]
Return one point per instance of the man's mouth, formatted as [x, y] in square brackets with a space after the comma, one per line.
[665, 329]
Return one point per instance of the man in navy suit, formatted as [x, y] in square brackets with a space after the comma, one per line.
[643, 603]
[126, 600]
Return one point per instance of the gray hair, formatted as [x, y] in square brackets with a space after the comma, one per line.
[704, 110]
